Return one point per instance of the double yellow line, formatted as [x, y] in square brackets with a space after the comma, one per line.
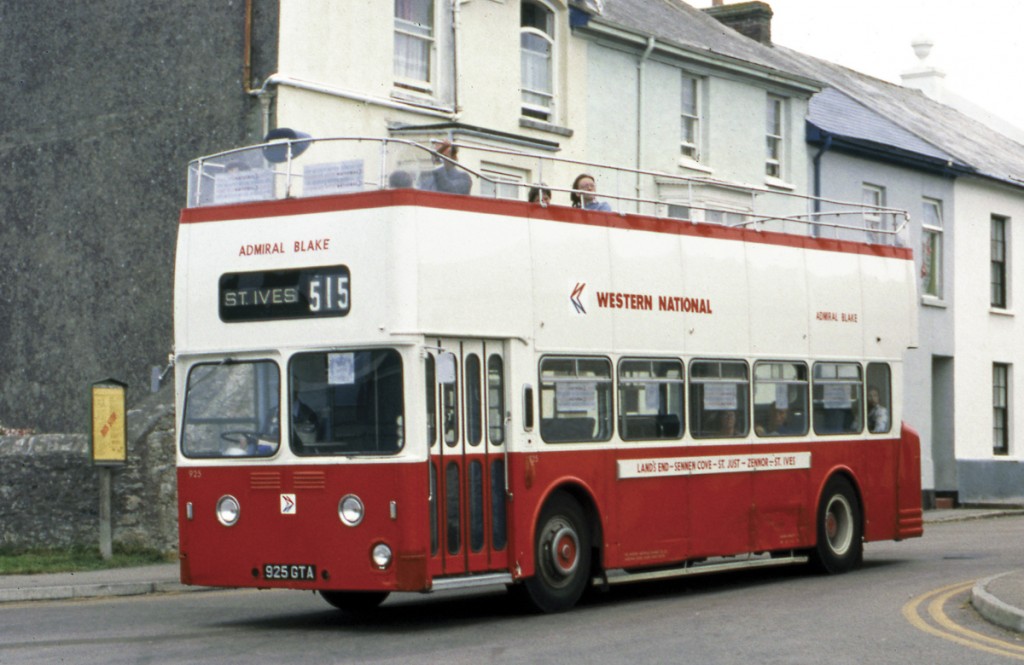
[944, 627]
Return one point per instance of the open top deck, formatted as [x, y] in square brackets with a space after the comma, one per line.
[302, 168]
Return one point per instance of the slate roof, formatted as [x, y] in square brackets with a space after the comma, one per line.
[906, 118]
[858, 106]
[838, 114]
[676, 22]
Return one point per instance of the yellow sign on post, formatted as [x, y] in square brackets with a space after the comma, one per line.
[109, 423]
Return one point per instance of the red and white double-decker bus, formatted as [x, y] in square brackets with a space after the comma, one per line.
[391, 389]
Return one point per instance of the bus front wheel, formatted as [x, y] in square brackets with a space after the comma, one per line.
[355, 602]
[562, 556]
[840, 545]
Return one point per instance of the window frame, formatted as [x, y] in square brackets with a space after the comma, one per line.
[531, 109]
[263, 419]
[502, 182]
[604, 400]
[663, 431]
[495, 386]
[775, 136]
[1001, 386]
[690, 119]
[874, 196]
[698, 397]
[402, 30]
[856, 411]
[385, 358]
[802, 430]
[932, 241]
[999, 262]
[873, 380]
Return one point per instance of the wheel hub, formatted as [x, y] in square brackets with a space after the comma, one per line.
[565, 546]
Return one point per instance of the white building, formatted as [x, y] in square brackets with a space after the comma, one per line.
[661, 86]
[657, 86]
[963, 184]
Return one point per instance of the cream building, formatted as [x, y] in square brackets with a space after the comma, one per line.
[652, 86]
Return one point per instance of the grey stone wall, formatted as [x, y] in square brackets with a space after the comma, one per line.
[105, 102]
[49, 488]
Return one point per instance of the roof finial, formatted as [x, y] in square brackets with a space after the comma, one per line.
[922, 46]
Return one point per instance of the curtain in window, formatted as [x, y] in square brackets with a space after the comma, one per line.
[536, 70]
[414, 31]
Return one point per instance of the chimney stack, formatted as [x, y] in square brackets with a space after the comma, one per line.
[750, 19]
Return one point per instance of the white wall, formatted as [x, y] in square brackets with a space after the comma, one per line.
[985, 335]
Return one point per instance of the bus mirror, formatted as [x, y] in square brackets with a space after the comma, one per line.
[446, 368]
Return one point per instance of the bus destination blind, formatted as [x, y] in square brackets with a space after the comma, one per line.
[285, 294]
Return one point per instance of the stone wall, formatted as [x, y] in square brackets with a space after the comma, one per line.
[105, 102]
[49, 488]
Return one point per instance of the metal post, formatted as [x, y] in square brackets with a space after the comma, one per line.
[106, 540]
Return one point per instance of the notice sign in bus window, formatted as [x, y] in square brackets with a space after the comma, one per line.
[285, 294]
[109, 424]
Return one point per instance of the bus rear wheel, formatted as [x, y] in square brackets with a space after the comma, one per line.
[562, 556]
[840, 546]
[355, 602]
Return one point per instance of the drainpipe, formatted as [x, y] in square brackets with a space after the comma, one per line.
[247, 50]
[640, 115]
[456, 25]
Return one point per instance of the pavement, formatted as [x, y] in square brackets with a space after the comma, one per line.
[999, 599]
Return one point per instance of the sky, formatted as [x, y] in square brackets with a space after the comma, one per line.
[979, 45]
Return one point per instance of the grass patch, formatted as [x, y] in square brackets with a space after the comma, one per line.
[74, 559]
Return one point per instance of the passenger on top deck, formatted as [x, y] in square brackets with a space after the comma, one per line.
[400, 180]
[583, 188]
[447, 177]
[539, 195]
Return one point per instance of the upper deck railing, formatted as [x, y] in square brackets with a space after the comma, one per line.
[306, 167]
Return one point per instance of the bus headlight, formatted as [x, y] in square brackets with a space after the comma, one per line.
[381, 556]
[228, 510]
[350, 509]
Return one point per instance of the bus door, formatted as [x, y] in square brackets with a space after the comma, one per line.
[468, 522]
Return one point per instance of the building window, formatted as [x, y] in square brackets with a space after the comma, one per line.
[689, 143]
[774, 126]
[872, 197]
[502, 182]
[414, 43]
[1000, 409]
[537, 43]
[931, 248]
[1000, 261]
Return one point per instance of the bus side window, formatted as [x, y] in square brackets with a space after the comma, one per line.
[650, 399]
[780, 398]
[495, 400]
[838, 395]
[879, 398]
[431, 389]
[719, 399]
[575, 399]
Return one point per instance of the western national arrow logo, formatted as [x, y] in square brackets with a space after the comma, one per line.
[575, 298]
[287, 504]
